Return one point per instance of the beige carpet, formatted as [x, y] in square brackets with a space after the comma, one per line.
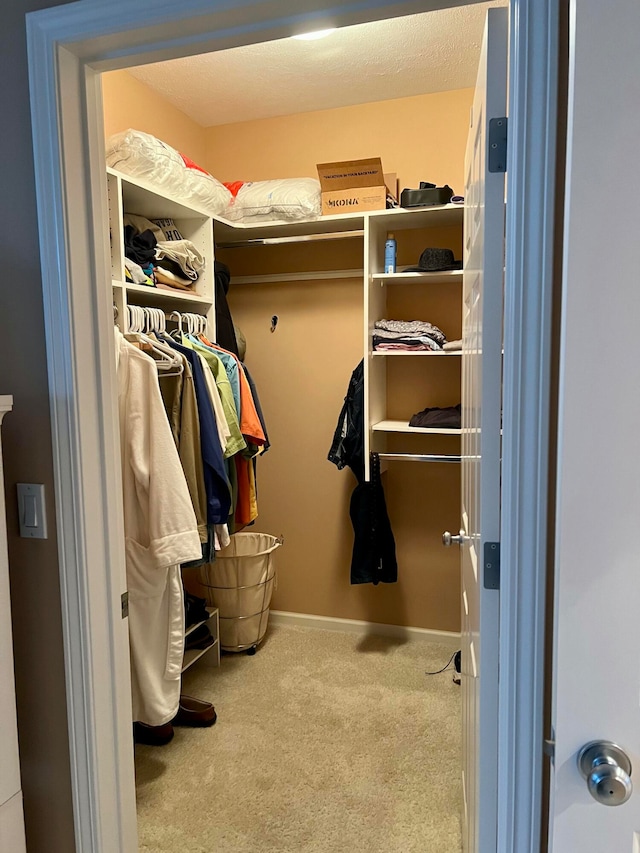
[325, 743]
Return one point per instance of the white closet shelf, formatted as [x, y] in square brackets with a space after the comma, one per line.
[435, 216]
[240, 232]
[156, 294]
[403, 426]
[145, 199]
[211, 611]
[192, 655]
[446, 277]
[430, 353]
[399, 219]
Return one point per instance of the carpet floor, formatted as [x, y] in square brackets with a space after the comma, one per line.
[326, 742]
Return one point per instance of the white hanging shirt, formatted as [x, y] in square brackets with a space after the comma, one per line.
[160, 533]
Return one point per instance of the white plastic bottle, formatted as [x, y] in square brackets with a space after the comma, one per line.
[390, 248]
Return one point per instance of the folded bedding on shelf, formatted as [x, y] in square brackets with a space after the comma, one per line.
[290, 199]
[142, 155]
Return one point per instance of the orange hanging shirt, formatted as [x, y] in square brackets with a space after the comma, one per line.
[250, 425]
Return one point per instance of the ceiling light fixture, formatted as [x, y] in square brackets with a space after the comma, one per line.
[319, 34]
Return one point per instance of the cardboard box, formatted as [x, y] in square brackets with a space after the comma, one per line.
[391, 181]
[352, 186]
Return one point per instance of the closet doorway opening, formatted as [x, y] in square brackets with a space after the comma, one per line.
[105, 587]
[342, 666]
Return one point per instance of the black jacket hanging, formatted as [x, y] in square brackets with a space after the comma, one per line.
[348, 440]
[225, 333]
[374, 548]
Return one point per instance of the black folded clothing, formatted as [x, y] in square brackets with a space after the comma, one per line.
[140, 248]
[199, 639]
[449, 417]
[195, 610]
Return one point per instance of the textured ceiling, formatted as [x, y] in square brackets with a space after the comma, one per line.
[418, 54]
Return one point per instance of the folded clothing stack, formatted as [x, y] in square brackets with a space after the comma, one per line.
[157, 255]
[195, 610]
[407, 335]
[449, 417]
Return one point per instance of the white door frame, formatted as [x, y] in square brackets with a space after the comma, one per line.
[528, 337]
[68, 47]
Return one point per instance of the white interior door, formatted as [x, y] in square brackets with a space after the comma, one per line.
[597, 595]
[481, 408]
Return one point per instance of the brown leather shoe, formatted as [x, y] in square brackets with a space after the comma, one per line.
[194, 712]
[152, 735]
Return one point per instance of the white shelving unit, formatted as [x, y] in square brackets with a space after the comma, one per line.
[378, 289]
[446, 277]
[211, 654]
[131, 195]
[402, 426]
[372, 229]
[418, 353]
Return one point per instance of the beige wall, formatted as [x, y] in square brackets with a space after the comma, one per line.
[419, 138]
[303, 369]
[130, 103]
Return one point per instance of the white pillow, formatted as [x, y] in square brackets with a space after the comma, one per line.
[142, 155]
[287, 198]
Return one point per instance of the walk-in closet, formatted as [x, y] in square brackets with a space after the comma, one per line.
[320, 700]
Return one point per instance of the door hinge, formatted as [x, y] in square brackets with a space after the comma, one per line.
[491, 565]
[124, 601]
[549, 748]
[498, 144]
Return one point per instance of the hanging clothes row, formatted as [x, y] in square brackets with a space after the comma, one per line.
[231, 426]
[191, 428]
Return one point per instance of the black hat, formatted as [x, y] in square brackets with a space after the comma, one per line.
[436, 260]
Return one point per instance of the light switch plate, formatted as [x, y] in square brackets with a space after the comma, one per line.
[32, 512]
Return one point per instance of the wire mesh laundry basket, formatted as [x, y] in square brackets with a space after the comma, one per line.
[240, 584]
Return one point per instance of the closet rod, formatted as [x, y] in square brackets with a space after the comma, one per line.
[297, 238]
[417, 457]
[313, 275]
